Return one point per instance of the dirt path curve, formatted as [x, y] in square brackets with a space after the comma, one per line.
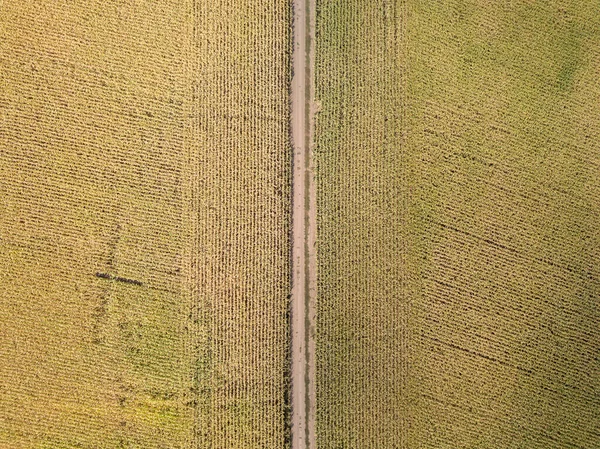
[303, 229]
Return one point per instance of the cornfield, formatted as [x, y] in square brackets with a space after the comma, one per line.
[457, 185]
[143, 224]
[239, 196]
[157, 195]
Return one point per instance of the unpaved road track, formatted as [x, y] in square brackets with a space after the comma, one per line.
[303, 229]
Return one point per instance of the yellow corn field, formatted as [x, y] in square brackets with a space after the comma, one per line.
[364, 227]
[239, 217]
[458, 201]
[143, 224]
[305, 224]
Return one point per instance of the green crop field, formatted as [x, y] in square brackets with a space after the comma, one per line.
[458, 155]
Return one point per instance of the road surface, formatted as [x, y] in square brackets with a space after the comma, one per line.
[303, 229]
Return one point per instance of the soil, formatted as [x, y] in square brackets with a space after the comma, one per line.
[303, 229]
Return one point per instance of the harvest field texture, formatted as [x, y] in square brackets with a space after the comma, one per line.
[458, 198]
[159, 172]
[144, 210]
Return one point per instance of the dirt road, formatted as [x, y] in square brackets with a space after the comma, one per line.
[303, 229]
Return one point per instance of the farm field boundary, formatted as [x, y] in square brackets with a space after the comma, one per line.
[303, 229]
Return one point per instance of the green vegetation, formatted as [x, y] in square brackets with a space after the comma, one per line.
[458, 254]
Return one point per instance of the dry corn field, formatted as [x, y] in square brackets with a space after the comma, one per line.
[458, 209]
[144, 185]
[305, 224]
